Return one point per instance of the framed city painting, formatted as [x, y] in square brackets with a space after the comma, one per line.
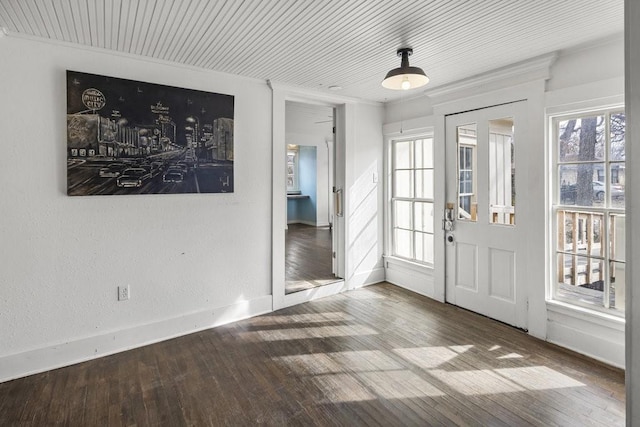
[130, 137]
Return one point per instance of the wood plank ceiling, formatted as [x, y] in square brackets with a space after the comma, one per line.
[320, 43]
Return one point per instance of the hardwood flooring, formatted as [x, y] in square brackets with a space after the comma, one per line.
[378, 356]
[308, 257]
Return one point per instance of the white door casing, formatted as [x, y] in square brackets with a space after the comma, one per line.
[338, 161]
[281, 94]
[485, 263]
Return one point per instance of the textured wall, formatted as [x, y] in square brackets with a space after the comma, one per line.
[63, 257]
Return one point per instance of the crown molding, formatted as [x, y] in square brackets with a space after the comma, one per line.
[538, 68]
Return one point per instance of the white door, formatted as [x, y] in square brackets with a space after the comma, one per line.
[484, 254]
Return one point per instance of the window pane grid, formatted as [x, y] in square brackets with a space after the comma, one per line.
[412, 196]
[590, 234]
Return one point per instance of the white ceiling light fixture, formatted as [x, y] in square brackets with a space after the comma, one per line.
[405, 77]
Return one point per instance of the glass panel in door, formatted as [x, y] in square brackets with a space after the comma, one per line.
[502, 193]
[467, 180]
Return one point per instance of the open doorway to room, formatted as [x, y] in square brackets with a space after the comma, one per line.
[310, 198]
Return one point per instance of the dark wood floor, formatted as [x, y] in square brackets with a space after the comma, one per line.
[375, 356]
[308, 257]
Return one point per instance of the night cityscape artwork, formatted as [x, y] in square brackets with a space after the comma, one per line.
[130, 137]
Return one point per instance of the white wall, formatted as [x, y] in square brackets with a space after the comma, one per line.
[364, 198]
[589, 63]
[593, 72]
[185, 257]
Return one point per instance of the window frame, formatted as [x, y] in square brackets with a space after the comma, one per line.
[606, 212]
[295, 149]
[412, 199]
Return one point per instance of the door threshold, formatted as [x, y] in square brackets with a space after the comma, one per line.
[314, 293]
[292, 286]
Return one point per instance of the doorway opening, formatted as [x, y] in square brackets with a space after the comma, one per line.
[309, 253]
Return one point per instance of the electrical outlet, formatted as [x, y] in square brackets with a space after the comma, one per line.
[123, 293]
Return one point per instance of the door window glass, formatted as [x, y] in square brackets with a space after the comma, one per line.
[467, 196]
[502, 192]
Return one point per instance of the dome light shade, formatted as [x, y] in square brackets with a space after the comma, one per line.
[405, 77]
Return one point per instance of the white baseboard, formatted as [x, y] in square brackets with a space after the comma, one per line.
[365, 278]
[69, 353]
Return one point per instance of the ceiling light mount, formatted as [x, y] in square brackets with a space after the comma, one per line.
[405, 77]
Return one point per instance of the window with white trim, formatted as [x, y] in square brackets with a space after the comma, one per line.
[293, 184]
[412, 199]
[589, 209]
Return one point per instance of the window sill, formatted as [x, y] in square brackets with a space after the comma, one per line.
[586, 314]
